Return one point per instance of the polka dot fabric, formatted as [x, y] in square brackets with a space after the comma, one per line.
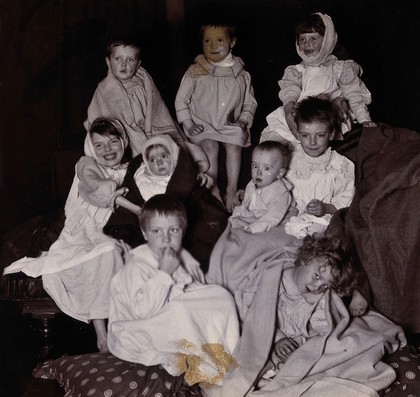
[104, 375]
[406, 363]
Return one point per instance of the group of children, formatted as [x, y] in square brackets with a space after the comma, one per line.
[159, 308]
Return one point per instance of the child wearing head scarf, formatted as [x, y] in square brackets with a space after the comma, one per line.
[77, 269]
[319, 73]
[160, 157]
[164, 167]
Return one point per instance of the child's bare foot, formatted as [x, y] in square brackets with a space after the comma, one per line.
[358, 304]
[101, 335]
[230, 199]
[102, 345]
[216, 193]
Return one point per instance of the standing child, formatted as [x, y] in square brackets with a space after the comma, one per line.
[162, 312]
[320, 72]
[267, 196]
[322, 179]
[215, 103]
[129, 94]
[78, 268]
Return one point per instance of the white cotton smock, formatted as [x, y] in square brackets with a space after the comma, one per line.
[156, 318]
[78, 268]
[328, 178]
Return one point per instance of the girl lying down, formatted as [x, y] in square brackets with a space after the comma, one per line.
[306, 343]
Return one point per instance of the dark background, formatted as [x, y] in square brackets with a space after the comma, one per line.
[52, 56]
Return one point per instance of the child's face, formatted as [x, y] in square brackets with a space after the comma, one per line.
[109, 149]
[123, 62]
[310, 43]
[314, 276]
[217, 44]
[160, 161]
[314, 137]
[266, 167]
[164, 231]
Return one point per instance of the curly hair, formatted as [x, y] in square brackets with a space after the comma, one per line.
[337, 256]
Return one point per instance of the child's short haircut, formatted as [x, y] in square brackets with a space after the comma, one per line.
[311, 23]
[219, 23]
[270, 146]
[162, 205]
[315, 109]
[125, 41]
[338, 256]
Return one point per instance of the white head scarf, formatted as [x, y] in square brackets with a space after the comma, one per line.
[150, 184]
[328, 44]
[88, 146]
[167, 142]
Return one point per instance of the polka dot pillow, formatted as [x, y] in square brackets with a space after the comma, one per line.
[104, 375]
[406, 363]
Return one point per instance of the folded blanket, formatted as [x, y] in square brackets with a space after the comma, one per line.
[383, 223]
[236, 252]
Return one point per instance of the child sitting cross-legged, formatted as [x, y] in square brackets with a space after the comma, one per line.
[162, 312]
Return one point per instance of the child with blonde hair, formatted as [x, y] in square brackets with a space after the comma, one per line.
[161, 310]
[215, 104]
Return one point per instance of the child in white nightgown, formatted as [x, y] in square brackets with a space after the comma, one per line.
[322, 179]
[320, 72]
[161, 311]
[78, 268]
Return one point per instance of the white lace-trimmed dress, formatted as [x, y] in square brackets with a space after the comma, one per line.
[78, 268]
[328, 178]
[333, 77]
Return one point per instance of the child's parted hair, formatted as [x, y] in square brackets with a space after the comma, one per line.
[162, 205]
[111, 127]
[338, 257]
[311, 23]
[104, 126]
[271, 146]
[218, 23]
[125, 41]
[317, 109]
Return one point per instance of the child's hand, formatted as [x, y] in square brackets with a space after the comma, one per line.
[358, 304]
[342, 108]
[315, 207]
[121, 192]
[244, 128]
[205, 180]
[284, 348]
[239, 197]
[195, 129]
[289, 112]
[369, 124]
[168, 260]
